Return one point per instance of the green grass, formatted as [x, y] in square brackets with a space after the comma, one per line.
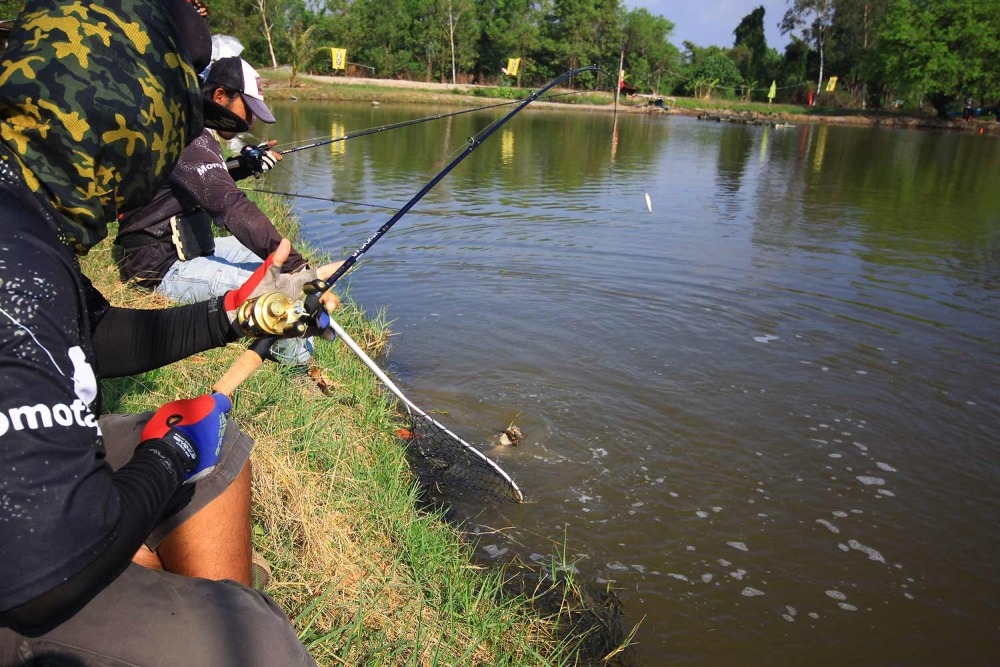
[366, 577]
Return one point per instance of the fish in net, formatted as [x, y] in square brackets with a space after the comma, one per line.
[441, 460]
[444, 462]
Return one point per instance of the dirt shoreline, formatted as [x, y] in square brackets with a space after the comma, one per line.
[313, 86]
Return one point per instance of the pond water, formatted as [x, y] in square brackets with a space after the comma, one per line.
[765, 412]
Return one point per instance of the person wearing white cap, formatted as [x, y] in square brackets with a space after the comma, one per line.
[236, 75]
[168, 244]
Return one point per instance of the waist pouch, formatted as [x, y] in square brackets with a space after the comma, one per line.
[192, 235]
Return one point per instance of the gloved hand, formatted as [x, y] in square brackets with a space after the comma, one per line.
[194, 428]
[258, 159]
[266, 283]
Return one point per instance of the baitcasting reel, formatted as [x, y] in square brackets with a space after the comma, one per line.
[272, 314]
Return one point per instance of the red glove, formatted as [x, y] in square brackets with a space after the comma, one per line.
[268, 284]
[194, 428]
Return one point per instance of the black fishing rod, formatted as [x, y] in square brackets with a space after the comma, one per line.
[406, 123]
[316, 288]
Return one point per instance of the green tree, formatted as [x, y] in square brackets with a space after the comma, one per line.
[813, 18]
[944, 49]
[750, 46]
[385, 28]
[509, 29]
[854, 41]
[10, 9]
[301, 49]
[793, 69]
[650, 58]
[713, 73]
[568, 32]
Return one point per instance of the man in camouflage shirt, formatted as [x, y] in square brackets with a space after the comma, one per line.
[96, 103]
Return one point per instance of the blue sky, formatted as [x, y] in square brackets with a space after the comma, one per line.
[708, 22]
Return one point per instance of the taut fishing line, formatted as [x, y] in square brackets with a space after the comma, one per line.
[436, 448]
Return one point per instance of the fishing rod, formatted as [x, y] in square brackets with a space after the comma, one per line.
[286, 314]
[318, 287]
[406, 123]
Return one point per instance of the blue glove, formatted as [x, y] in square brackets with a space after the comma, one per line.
[194, 428]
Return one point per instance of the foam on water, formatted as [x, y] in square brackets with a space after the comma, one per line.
[495, 551]
[836, 595]
[885, 467]
[847, 607]
[738, 545]
[871, 553]
[829, 526]
[871, 481]
[750, 592]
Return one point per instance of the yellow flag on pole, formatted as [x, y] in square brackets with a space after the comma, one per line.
[831, 84]
[338, 58]
[513, 64]
[772, 92]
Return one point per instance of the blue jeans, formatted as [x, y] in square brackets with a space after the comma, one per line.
[204, 278]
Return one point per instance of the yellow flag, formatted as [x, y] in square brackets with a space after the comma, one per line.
[831, 84]
[513, 64]
[339, 58]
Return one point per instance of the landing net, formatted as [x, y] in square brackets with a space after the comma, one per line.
[446, 463]
[442, 461]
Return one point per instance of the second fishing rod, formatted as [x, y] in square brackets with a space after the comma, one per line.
[275, 314]
[404, 123]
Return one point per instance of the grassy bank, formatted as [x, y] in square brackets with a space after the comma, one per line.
[367, 577]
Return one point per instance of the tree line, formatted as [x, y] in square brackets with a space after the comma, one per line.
[885, 53]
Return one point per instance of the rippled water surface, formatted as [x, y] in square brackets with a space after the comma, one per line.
[766, 412]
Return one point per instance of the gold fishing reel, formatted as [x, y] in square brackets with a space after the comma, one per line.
[272, 314]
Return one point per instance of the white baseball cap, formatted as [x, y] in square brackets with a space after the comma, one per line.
[237, 74]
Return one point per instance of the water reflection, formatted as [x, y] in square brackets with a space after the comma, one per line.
[764, 412]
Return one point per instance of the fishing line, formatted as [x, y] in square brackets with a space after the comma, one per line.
[318, 287]
[331, 139]
[352, 203]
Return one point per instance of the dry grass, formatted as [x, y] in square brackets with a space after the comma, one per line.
[365, 576]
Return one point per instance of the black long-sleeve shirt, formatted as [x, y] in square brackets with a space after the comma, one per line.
[200, 180]
[68, 524]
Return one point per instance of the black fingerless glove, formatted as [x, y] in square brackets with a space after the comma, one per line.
[256, 159]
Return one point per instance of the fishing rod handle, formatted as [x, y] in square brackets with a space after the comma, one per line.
[244, 367]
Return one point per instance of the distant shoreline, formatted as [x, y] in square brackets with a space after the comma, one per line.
[392, 91]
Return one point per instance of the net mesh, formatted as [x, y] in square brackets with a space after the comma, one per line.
[448, 465]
